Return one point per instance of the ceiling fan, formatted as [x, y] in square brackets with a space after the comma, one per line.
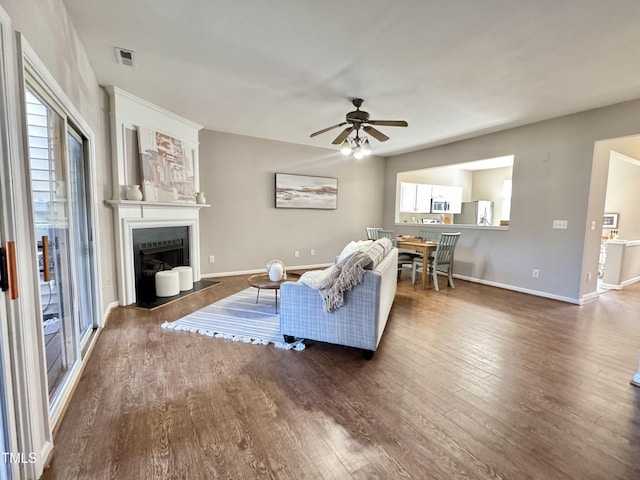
[359, 119]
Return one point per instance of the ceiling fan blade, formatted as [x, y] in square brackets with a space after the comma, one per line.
[340, 138]
[327, 129]
[389, 123]
[377, 134]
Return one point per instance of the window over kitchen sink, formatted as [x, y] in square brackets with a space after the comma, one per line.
[471, 193]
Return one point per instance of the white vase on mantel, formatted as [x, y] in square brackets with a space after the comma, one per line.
[200, 198]
[133, 193]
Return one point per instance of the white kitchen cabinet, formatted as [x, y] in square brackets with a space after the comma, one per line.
[415, 198]
[453, 195]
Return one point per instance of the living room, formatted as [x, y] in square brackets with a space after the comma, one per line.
[557, 174]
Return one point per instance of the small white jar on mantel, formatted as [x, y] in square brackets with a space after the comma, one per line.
[133, 193]
[200, 198]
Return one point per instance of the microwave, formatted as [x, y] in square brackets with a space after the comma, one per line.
[439, 206]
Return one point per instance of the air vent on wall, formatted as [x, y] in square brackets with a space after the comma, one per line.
[125, 57]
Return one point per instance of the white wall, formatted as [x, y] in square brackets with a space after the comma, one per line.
[244, 230]
[487, 185]
[552, 179]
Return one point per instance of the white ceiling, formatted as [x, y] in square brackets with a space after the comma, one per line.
[281, 69]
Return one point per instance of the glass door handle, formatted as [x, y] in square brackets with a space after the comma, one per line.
[45, 258]
[9, 270]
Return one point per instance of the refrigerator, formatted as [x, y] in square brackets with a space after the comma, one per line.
[479, 212]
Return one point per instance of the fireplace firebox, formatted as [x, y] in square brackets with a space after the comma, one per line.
[156, 249]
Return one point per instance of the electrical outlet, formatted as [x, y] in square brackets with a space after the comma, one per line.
[535, 273]
[560, 224]
[296, 253]
[108, 282]
[593, 225]
[589, 277]
[313, 252]
[212, 258]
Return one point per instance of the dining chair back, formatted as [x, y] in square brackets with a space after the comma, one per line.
[372, 232]
[442, 260]
[404, 257]
[429, 235]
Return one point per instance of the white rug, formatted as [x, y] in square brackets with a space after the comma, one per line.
[239, 318]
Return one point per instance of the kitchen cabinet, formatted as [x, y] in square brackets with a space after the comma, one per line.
[415, 197]
[450, 194]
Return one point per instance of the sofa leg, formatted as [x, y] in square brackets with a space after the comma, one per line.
[289, 339]
[367, 354]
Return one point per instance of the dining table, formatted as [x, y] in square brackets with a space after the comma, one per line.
[419, 245]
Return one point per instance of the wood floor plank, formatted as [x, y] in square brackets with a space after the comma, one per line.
[472, 383]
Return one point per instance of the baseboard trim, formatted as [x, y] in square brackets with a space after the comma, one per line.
[589, 296]
[262, 270]
[620, 286]
[537, 293]
[576, 301]
[107, 312]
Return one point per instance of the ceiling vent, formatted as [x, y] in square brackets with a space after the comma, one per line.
[125, 57]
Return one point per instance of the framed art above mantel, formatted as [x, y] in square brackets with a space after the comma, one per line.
[306, 191]
[168, 173]
[610, 220]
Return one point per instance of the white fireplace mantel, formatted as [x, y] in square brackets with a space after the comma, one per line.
[131, 215]
[127, 113]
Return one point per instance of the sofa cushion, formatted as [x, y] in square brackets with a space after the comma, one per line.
[353, 247]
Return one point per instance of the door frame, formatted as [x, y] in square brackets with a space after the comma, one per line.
[26, 396]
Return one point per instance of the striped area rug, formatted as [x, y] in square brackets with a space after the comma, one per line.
[239, 318]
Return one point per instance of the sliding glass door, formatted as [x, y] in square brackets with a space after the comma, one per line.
[62, 235]
[81, 232]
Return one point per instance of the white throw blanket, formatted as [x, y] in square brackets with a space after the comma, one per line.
[333, 282]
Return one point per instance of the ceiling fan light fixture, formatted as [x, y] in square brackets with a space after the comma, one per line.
[358, 153]
[366, 147]
[359, 120]
[345, 147]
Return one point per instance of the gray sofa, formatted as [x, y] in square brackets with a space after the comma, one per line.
[358, 323]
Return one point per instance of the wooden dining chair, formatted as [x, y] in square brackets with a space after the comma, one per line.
[442, 260]
[372, 232]
[404, 257]
[427, 236]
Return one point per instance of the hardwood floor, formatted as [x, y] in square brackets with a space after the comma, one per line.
[473, 383]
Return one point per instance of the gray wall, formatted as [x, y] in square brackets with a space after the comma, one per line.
[244, 230]
[552, 179]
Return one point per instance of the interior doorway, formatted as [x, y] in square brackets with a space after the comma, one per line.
[614, 243]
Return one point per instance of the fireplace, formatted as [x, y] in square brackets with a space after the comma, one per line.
[154, 250]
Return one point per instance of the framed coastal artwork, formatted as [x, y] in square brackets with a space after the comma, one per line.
[167, 165]
[610, 220]
[305, 191]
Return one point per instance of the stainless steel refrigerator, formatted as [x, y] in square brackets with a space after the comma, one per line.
[479, 212]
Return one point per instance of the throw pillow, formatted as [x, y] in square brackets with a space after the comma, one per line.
[352, 247]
